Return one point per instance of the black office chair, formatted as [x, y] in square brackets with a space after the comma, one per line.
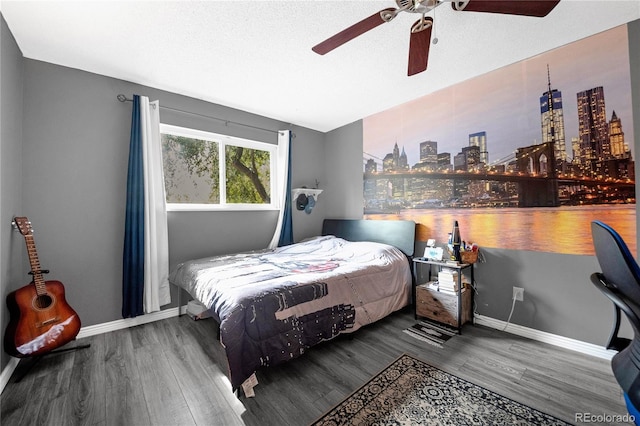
[620, 282]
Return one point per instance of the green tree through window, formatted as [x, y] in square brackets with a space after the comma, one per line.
[247, 173]
[192, 168]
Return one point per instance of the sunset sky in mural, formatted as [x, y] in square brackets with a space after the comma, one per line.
[506, 103]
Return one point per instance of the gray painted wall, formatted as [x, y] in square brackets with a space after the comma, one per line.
[344, 172]
[12, 248]
[75, 149]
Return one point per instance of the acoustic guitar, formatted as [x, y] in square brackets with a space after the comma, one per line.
[40, 318]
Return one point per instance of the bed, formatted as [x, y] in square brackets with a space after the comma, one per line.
[272, 305]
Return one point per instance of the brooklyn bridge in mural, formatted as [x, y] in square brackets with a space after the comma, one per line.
[532, 179]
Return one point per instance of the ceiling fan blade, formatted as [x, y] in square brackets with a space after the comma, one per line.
[353, 31]
[419, 45]
[538, 8]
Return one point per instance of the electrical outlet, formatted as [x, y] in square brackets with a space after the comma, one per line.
[518, 294]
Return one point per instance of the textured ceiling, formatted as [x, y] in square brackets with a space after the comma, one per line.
[256, 56]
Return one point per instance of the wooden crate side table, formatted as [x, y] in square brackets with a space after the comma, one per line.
[443, 307]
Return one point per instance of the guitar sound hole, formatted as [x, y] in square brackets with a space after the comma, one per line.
[43, 301]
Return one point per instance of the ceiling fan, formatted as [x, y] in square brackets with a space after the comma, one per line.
[421, 30]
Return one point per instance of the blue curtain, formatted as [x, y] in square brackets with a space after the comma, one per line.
[286, 233]
[133, 255]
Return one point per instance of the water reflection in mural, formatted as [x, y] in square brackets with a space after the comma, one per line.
[559, 230]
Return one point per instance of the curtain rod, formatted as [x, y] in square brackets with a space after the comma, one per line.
[123, 98]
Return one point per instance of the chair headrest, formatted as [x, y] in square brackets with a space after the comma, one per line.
[616, 261]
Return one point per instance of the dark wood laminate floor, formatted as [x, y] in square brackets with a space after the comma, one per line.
[172, 372]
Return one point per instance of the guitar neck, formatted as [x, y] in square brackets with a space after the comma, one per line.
[34, 262]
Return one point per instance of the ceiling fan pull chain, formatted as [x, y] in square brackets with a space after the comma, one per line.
[435, 36]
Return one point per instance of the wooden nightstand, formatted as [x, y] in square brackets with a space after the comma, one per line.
[443, 307]
[453, 309]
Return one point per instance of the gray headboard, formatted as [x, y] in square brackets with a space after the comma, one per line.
[398, 233]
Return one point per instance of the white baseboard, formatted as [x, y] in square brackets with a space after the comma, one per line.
[542, 336]
[7, 372]
[93, 330]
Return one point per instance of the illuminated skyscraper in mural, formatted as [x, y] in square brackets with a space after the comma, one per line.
[370, 166]
[575, 149]
[394, 160]
[429, 152]
[552, 121]
[480, 140]
[616, 137]
[403, 164]
[593, 128]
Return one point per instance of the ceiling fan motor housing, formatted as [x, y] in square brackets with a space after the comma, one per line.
[418, 6]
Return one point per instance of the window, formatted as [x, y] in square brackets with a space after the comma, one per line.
[208, 171]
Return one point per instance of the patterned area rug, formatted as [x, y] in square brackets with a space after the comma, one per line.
[411, 392]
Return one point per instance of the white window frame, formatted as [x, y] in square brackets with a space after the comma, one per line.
[224, 141]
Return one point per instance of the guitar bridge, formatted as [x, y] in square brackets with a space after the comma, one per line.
[47, 322]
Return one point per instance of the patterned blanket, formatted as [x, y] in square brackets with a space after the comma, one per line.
[272, 305]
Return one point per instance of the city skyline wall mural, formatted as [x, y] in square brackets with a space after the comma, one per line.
[523, 157]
